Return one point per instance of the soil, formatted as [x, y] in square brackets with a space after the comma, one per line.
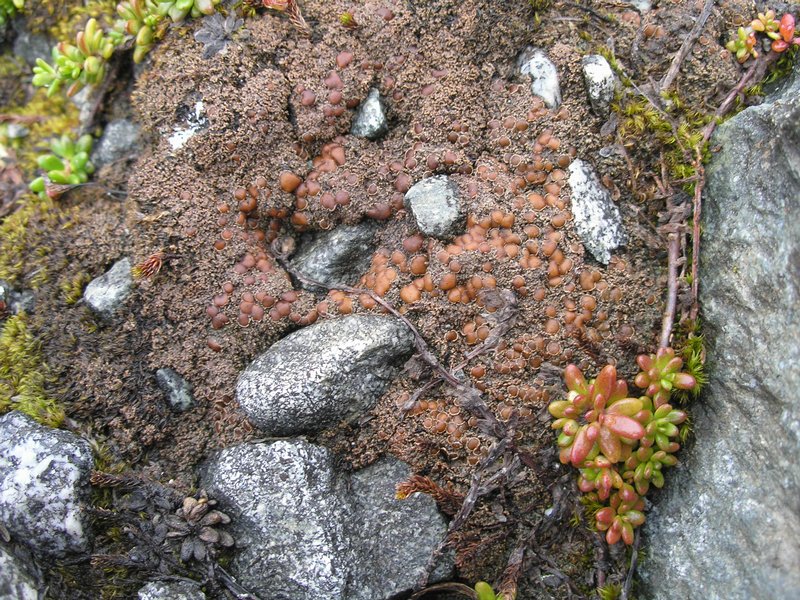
[456, 105]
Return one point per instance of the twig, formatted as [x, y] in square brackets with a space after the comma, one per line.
[626, 588]
[673, 250]
[686, 47]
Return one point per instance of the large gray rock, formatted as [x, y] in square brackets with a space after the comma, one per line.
[370, 121]
[15, 582]
[436, 206]
[339, 256]
[44, 486]
[171, 590]
[322, 374]
[120, 139]
[728, 525]
[308, 532]
[597, 218]
[534, 63]
[106, 293]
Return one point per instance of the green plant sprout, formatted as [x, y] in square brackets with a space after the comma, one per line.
[8, 8]
[620, 444]
[68, 164]
[140, 19]
[76, 65]
[178, 10]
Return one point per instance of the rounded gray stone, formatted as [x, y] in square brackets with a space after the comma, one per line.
[436, 206]
[370, 121]
[336, 257]
[320, 375]
[601, 83]
[534, 63]
[15, 582]
[596, 217]
[177, 390]
[120, 139]
[44, 486]
[105, 294]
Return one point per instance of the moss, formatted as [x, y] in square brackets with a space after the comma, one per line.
[72, 287]
[62, 18]
[23, 374]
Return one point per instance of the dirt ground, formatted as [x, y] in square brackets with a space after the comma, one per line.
[277, 102]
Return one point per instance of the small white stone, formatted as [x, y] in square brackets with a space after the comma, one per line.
[435, 204]
[106, 293]
[600, 83]
[370, 120]
[597, 219]
[544, 76]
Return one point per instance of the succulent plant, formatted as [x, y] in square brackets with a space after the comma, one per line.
[83, 63]
[743, 45]
[644, 467]
[660, 374]
[608, 416]
[140, 19]
[216, 32]
[68, 164]
[195, 525]
[786, 31]
[178, 10]
[624, 513]
[766, 23]
[8, 8]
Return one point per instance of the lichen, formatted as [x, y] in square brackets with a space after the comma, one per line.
[23, 374]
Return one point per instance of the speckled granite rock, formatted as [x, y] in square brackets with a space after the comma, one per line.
[171, 590]
[597, 218]
[727, 526]
[370, 121]
[105, 294]
[119, 140]
[322, 374]
[308, 532]
[15, 582]
[44, 486]
[339, 256]
[600, 83]
[177, 390]
[436, 206]
[534, 63]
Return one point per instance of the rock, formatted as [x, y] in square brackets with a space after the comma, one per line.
[44, 486]
[370, 121]
[120, 139]
[15, 582]
[85, 103]
[308, 532]
[16, 301]
[641, 5]
[339, 256]
[193, 120]
[600, 83]
[177, 390]
[544, 76]
[106, 293]
[597, 218]
[30, 46]
[288, 511]
[171, 590]
[436, 206]
[727, 526]
[385, 567]
[290, 389]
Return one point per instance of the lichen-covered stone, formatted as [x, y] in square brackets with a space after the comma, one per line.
[544, 76]
[436, 206]
[600, 83]
[177, 390]
[15, 582]
[119, 140]
[339, 256]
[171, 590]
[597, 219]
[44, 486]
[370, 121]
[322, 374]
[385, 566]
[728, 525]
[106, 293]
[288, 510]
[306, 531]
